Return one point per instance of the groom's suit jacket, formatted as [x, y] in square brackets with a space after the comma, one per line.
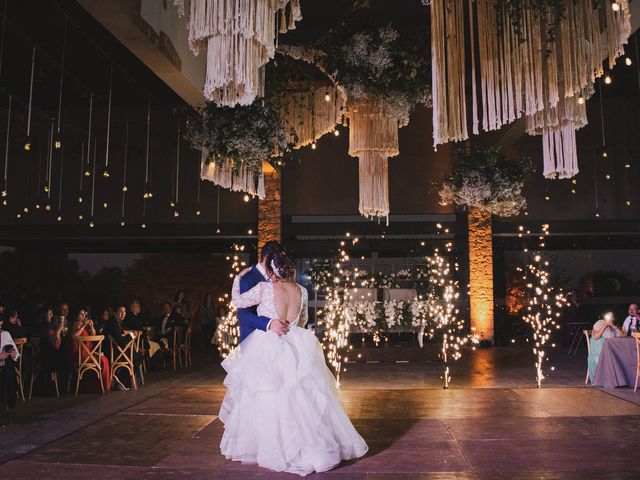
[248, 318]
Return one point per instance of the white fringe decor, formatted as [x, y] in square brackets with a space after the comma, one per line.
[240, 38]
[373, 138]
[534, 78]
[223, 174]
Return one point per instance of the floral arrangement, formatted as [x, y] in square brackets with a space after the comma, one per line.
[377, 62]
[248, 135]
[486, 180]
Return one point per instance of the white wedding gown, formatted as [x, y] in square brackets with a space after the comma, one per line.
[281, 409]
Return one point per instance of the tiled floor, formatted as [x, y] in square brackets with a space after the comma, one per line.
[415, 429]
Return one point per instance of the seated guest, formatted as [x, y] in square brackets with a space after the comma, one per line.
[134, 320]
[632, 322]
[8, 357]
[103, 320]
[62, 316]
[53, 360]
[164, 325]
[180, 300]
[83, 327]
[13, 325]
[602, 330]
[115, 330]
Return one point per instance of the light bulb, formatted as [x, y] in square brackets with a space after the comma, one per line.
[327, 97]
[105, 174]
[608, 79]
[217, 230]
[124, 189]
[122, 224]
[573, 190]
[627, 61]
[604, 154]
[4, 193]
[176, 214]
[547, 197]
[46, 188]
[27, 146]
[314, 146]
[80, 200]
[246, 198]
[628, 203]
[580, 100]
[91, 224]
[25, 209]
[105, 205]
[18, 216]
[57, 144]
[607, 176]
[80, 217]
[597, 214]
[249, 232]
[4, 202]
[615, 6]
[172, 204]
[336, 132]
[47, 208]
[627, 165]
[87, 173]
[144, 225]
[198, 212]
[145, 196]
[59, 218]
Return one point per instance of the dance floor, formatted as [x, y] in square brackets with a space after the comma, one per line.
[491, 423]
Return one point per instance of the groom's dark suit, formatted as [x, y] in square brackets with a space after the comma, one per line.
[248, 318]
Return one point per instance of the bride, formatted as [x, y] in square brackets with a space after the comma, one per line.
[281, 409]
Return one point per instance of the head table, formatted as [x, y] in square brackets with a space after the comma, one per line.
[617, 364]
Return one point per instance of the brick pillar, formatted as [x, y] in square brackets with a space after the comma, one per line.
[481, 273]
[270, 209]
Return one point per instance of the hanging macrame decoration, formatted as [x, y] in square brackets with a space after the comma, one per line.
[311, 112]
[240, 38]
[373, 138]
[237, 179]
[522, 64]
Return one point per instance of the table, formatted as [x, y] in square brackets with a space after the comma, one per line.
[617, 363]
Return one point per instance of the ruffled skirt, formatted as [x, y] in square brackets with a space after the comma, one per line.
[281, 410]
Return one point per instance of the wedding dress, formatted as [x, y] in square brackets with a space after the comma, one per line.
[281, 409]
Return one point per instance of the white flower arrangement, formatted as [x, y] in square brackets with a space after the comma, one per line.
[486, 180]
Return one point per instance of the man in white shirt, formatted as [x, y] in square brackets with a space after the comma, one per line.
[632, 322]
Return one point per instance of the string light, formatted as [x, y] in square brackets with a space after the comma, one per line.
[336, 132]
[246, 198]
[58, 139]
[607, 79]
[627, 61]
[327, 97]
[105, 173]
[314, 146]
[87, 171]
[124, 174]
[27, 143]
[5, 190]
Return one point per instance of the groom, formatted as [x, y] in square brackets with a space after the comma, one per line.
[248, 318]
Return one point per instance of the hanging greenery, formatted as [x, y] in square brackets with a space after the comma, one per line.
[246, 134]
[372, 61]
[486, 180]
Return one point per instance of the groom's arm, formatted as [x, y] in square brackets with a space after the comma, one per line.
[248, 316]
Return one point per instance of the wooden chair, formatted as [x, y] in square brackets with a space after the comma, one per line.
[184, 348]
[174, 349]
[636, 335]
[89, 352]
[123, 358]
[37, 367]
[587, 334]
[20, 342]
[139, 347]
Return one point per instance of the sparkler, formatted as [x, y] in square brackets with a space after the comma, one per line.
[228, 333]
[336, 317]
[442, 298]
[543, 305]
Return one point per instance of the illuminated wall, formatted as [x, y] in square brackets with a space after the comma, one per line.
[481, 273]
[270, 209]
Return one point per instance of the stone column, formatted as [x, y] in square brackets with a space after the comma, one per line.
[481, 273]
[270, 208]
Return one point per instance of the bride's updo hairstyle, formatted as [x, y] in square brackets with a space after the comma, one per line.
[282, 266]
